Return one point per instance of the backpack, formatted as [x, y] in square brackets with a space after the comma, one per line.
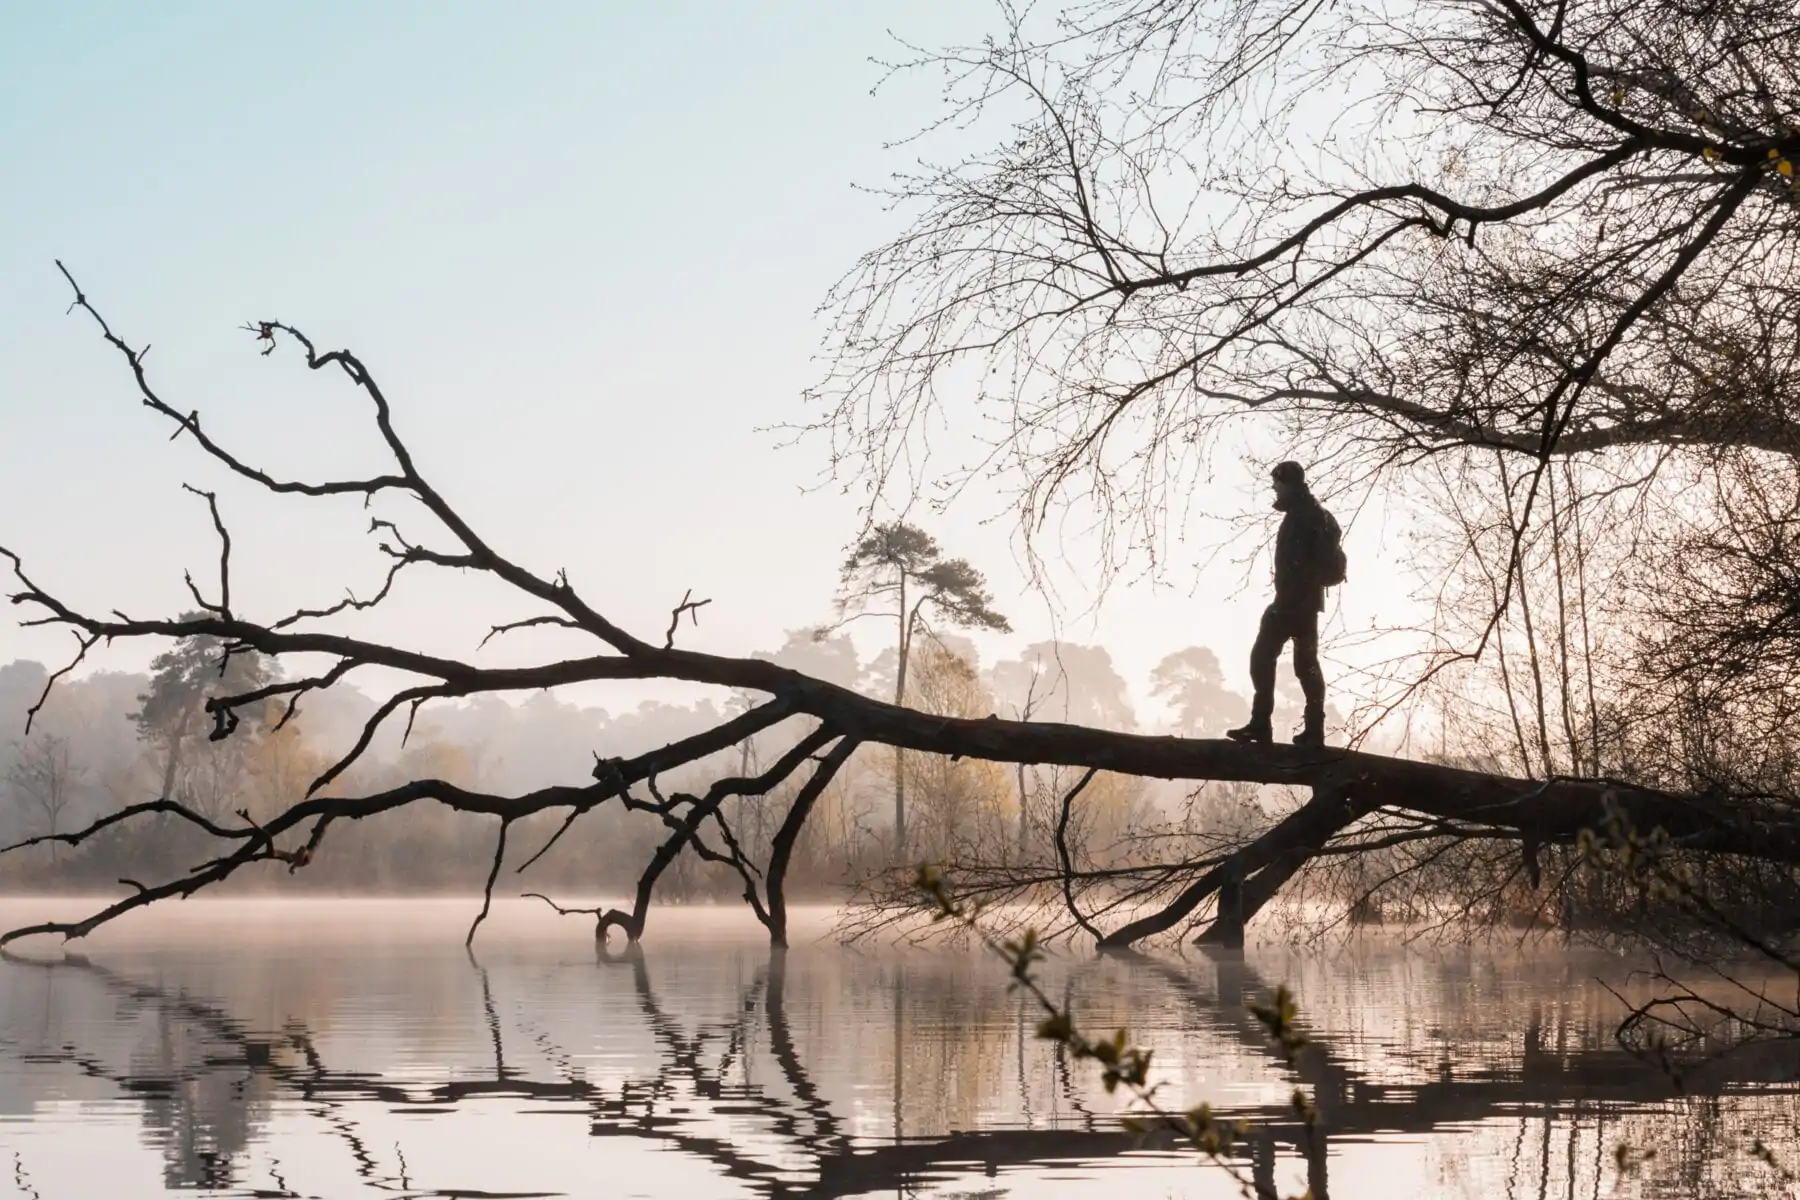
[1333, 566]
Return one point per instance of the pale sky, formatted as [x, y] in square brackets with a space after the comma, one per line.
[581, 244]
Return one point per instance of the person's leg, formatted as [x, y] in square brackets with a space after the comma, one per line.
[1263, 653]
[1305, 632]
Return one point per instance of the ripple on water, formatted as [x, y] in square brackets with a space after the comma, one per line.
[341, 1048]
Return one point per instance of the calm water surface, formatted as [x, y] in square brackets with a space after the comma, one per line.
[288, 1048]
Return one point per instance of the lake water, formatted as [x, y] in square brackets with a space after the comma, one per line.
[286, 1048]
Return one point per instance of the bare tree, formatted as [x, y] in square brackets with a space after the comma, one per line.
[901, 566]
[1063, 681]
[45, 776]
[1531, 268]
[1525, 227]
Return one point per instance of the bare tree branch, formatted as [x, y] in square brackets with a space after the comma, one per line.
[487, 892]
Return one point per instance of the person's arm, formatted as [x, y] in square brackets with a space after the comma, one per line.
[1289, 553]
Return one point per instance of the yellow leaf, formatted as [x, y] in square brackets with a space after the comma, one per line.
[1709, 154]
[1784, 168]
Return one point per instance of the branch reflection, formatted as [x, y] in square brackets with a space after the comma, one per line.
[736, 1091]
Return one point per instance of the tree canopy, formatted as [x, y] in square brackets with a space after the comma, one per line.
[1525, 227]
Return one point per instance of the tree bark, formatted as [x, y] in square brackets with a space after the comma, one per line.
[782, 850]
[1293, 838]
[1241, 899]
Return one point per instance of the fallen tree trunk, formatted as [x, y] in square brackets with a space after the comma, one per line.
[1346, 785]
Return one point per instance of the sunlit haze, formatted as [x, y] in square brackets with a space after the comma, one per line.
[581, 246]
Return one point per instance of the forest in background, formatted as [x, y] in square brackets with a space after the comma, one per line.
[108, 739]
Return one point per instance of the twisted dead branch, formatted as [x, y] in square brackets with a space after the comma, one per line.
[828, 722]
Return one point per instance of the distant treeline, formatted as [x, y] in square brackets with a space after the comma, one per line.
[109, 739]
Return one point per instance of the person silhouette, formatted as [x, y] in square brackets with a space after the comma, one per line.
[1309, 558]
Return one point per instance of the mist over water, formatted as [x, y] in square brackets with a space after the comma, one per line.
[281, 1047]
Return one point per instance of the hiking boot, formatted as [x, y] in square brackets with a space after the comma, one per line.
[1311, 734]
[1256, 731]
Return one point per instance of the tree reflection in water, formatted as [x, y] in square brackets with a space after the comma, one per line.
[208, 1083]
